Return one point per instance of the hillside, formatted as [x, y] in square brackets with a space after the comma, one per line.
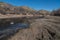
[6, 8]
[9, 9]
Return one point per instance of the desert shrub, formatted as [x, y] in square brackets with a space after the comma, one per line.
[55, 12]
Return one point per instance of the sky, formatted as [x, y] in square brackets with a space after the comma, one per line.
[35, 4]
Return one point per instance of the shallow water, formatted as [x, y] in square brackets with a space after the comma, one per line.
[12, 28]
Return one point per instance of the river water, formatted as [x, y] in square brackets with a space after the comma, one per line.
[11, 29]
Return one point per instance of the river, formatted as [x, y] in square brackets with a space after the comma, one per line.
[12, 29]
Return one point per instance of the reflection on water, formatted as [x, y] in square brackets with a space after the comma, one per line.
[11, 29]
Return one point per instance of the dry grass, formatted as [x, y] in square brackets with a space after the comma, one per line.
[41, 29]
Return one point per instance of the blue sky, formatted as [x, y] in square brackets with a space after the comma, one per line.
[35, 4]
